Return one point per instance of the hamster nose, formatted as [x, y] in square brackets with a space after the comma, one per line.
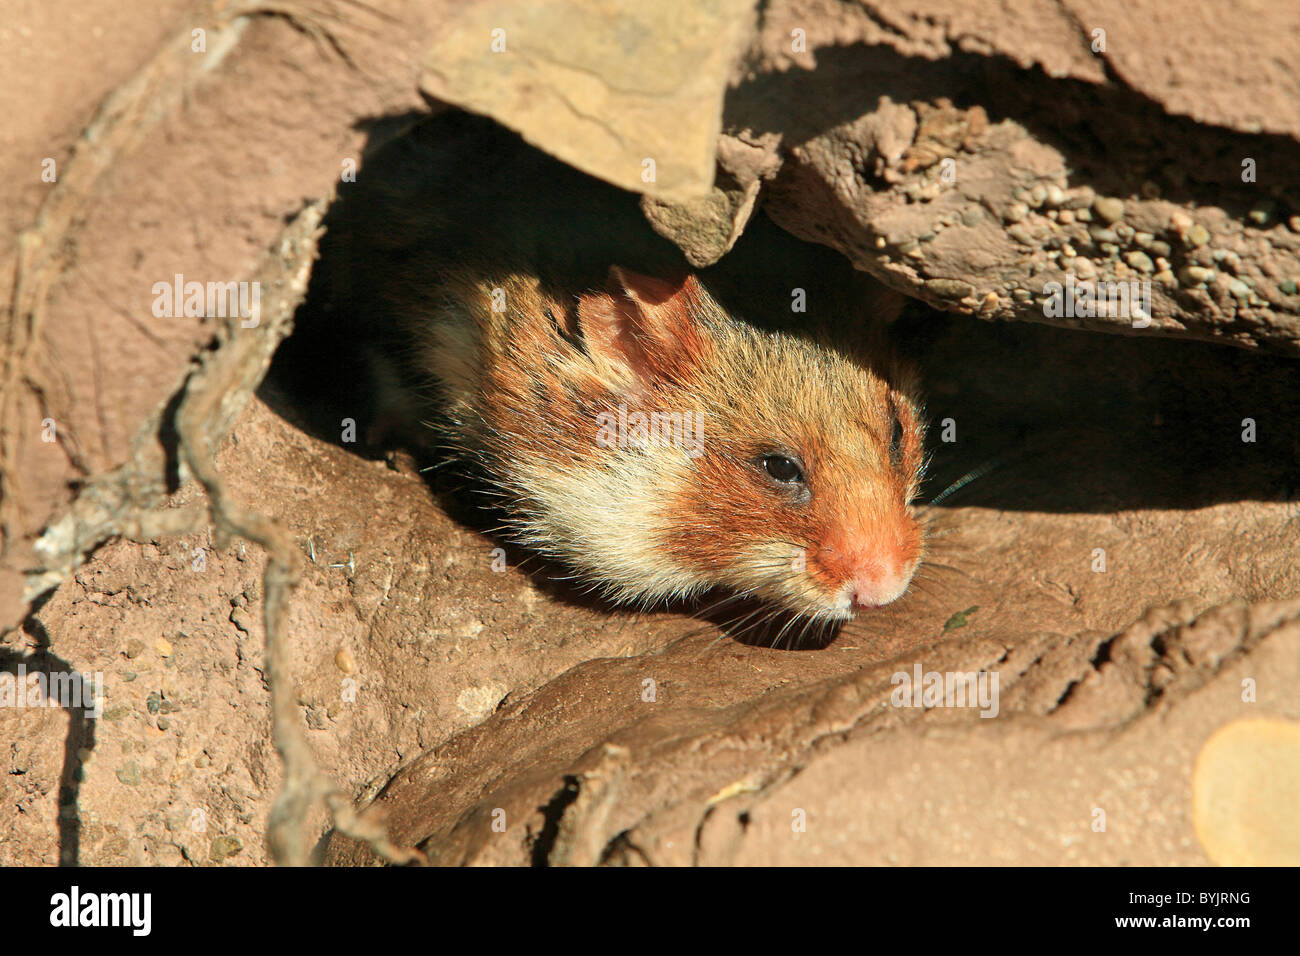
[873, 590]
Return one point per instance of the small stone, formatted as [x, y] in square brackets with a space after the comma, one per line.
[1262, 212]
[129, 774]
[1102, 233]
[1066, 216]
[153, 703]
[1083, 267]
[1287, 287]
[1191, 275]
[989, 303]
[949, 288]
[344, 662]
[1239, 289]
[1022, 295]
[201, 761]
[1124, 231]
[1166, 278]
[163, 647]
[1143, 239]
[1179, 221]
[128, 676]
[1140, 261]
[1020, 232]
[164, 723]
[972, 216]
[1037, 195]
[1110, 249]
[1055, 195]
[1108, 208]
[116, 712]
[1016, 212]
[1080, 198]
[1294, 223]
[909, 247]
[1160, 248]
[134, 648]
[1198, 235]
[1083, 215]
[223, 847]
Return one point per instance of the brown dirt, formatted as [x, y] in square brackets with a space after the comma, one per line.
[493, 716]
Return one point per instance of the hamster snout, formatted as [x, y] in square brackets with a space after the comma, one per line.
[662, 448]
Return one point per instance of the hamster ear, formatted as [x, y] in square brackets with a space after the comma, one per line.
[645, 326]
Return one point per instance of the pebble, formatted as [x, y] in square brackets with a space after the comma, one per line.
[1108, 208]
[1016, 212]
[1287, 287]
[1194, 274]
[164, 723]
[1083, 267]
[1037, 195]
[1294, 223]
[972, 216]
[1143, 239]
[1020, 232]
[1102, 233]
[134, 648]
[1080, 199]
[1179, 221]
[163, 647]
[949, 288]
[1022, 295]
[1198, 235]
[1239, 289]
[1083, 215]
[1140, 261]
[1124, 231]
[129, 774]
[1160, 248]
[344, 662]
[1055, 195]
[1262, 212]
[1165, 277]
[223, 847]
[1066, 216]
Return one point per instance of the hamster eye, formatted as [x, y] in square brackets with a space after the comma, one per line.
[783, 469]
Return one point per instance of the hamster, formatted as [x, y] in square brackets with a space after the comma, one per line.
[661, 448]
[631, 426]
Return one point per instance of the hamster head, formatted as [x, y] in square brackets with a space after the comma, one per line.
[663, 448]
